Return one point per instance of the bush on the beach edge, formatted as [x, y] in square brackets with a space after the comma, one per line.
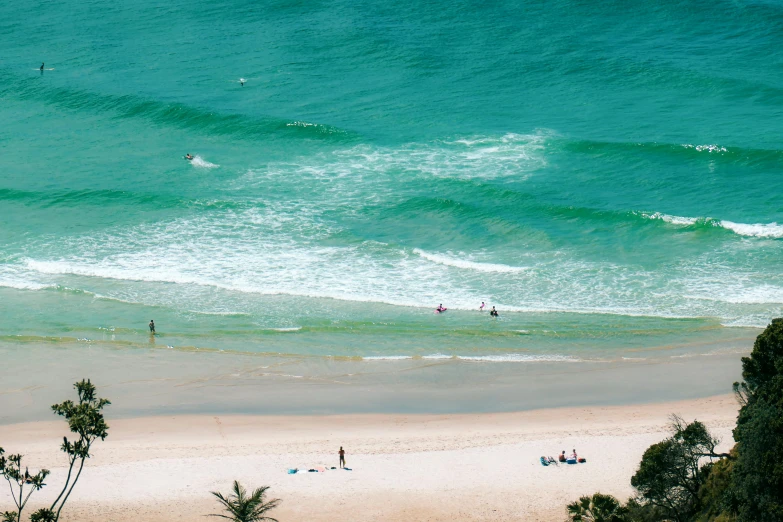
[673, 481]
[87, 424]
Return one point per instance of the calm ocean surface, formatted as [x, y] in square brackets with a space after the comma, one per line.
[610, 176]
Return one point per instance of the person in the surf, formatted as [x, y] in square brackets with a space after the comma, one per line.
[242, 82]
[440, 308]
[42, 69]
[188, 157]
[152, 327]
[493, 312]
[481, 308]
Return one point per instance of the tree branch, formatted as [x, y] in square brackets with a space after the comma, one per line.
[81, 466]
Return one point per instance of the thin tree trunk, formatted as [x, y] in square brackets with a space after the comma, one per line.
[11, 487]
[20, 505]
[81, 466]
[67, 480]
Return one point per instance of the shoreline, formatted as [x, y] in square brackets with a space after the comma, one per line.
[162, 468]
[156, 382]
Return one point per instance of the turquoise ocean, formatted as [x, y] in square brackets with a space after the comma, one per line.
[608, 175]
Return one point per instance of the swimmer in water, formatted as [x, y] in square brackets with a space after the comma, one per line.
[242, 82]
[42, 69]
[493, 312]
[440, 308]
[188, 157]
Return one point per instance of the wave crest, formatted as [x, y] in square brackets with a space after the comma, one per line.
[761, 230]
[465, 264]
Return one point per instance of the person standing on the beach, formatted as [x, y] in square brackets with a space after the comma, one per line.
[342, 457]
[152, 327]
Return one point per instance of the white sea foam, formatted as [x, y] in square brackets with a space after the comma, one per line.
[14, 276]
[200, 162]
[24, 285]
[450, 260]
[386, 357]
[515, 357]
[511, 357]
[287, 246]
[706, 148]
[674, 220]
[738, 294]
[769, 230]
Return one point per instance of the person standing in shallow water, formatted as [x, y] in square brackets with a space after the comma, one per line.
[152, 327]
[342, 457]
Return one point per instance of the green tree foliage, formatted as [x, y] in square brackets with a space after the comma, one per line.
[714, 494]
[43, 515]
[757, 477]
[639, 512]
[241, 507]
[598, 508]
[86, 422]
[746, 485]
[22, 484]
[670, 474]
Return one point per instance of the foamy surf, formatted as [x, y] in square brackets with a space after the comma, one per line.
[451, 260]
[760, 230]
[510, 357]
[200, 162]
[706, 148]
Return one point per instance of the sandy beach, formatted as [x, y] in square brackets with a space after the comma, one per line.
[404, 467]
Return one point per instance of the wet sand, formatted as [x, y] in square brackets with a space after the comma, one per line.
[149, 382]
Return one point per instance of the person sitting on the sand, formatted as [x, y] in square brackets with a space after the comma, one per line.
[562, 457]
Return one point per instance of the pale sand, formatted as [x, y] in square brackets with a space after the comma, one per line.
[405, 467]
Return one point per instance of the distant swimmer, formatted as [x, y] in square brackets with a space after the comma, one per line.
[42, 67]
[493, 312]
[481, 308]
[188, 157]
[242, 82]
[440, 309]
[152, 327]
